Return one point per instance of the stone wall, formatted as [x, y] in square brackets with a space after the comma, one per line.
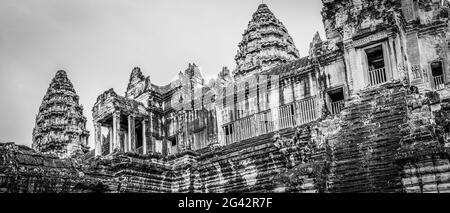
[424, 153]
[22, 170]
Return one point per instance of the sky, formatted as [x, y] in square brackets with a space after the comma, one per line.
[99, 42]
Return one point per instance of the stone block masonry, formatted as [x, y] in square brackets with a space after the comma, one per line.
[376, 145]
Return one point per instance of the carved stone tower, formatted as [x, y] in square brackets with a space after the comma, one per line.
[265, 44]
[60, 125]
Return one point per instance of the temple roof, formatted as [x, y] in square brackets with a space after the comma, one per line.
[164, 89]
[110, 102]
[265, 44]
[293, 66]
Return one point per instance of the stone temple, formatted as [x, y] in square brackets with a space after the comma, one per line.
[367, 110]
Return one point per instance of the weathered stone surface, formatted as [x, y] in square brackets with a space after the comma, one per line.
[365, 149]
[60, 125]
[424, 154]
[265, 43]
[22, 170]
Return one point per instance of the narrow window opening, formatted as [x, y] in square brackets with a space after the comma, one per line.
[376, 65]
[228, 133]
[173, 147]
[336, 98]
[173, 142]
[437, 73]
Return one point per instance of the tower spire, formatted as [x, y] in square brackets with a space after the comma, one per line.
[60, 124]
[259, 49]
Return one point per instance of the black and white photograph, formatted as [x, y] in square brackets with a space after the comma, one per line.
[254, 97]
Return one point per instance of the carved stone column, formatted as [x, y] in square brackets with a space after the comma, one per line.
[98, 139]
[150, 132]
[131, 134]
[164, 135]
[184, 143]
[144, 137]
[292, 82]
[111, 141]
[116, 130]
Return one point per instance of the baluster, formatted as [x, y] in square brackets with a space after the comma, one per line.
[252, 127]
[247, 121]
[374, 78]
[263, 124]
[270, 121]
[291, 115]
[314, 103]
[307, 112]
[265, 127]
[281, 115]
[239, 131]
[377, 78]
[245, 128]
[259, 122]
[332, 108]
[292, 111]
[233, 133]
[289, 109]
[381, 75]
[436, 82]
[310, 110]
[286, 120]
[303, 111]
[302, 114]
[372, 73]
[249, 127]
[287, 114]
